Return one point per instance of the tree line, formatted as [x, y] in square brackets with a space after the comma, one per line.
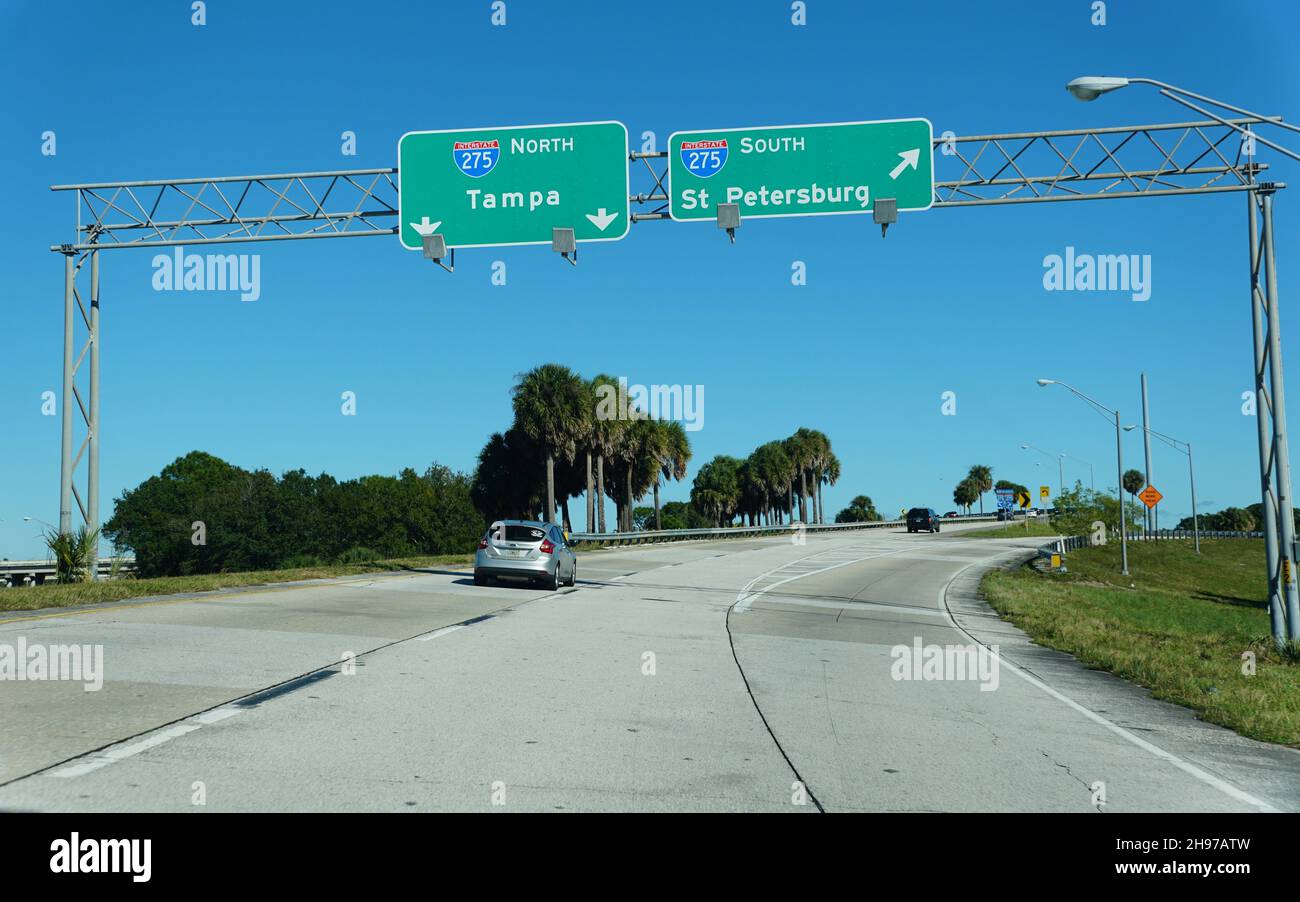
[764, 488]
[1244, 519]
[204, 515]
[573, 436]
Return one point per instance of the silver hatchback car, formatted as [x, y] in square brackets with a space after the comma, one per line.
[525, 549]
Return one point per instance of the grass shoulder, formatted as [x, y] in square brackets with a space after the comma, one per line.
[1018, 529]
[61, 595]
[1180, 624]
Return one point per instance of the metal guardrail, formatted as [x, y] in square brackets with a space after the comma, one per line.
[1073, 543]
[1205, 534]
[647, 536]
[33, 573]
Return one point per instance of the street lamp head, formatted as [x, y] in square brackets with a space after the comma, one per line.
[1090, 87]
[1045, 381]
[1024, 447]
[1130, 428]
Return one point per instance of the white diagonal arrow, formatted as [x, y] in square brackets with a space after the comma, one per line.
[910, 158]
[424, 227]
[601, 220]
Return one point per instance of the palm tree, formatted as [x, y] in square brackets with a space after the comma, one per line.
[72, 553]
[635, 454]
[793, 453]
[716, 489]
[609, 424]
[964, 494]
[587, 443]
[860, 510]
[1133, 481]
[672, 451]
[774, 474]
[819, 454]
[981, 478]
[828, 472]
[800, 448]
[548, 404]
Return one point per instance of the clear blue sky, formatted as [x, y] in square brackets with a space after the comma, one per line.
[952, 300]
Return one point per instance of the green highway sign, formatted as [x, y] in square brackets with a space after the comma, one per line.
[800, 170]
[487, 187]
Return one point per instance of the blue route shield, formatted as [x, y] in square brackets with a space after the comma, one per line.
[476, 158]
[704, 158]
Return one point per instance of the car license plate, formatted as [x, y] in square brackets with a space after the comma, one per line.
[516, 553]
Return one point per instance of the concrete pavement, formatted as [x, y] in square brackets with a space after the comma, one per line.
[734, 675]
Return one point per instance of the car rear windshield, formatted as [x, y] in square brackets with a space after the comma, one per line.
[918, 512]
[524, 534]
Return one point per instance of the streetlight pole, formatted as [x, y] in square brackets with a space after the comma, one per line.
[1191, 472]
[1119, 463]
[1153, 523]
[1274, 459]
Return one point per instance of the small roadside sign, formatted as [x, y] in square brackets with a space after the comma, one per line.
[1150, 496]
[1006, 499]
[1022, 498]
[1044, 492]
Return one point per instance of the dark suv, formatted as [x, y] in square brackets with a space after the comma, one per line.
[922, 519]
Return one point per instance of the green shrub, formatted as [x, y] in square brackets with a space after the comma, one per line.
[299, 561]
[358, 555]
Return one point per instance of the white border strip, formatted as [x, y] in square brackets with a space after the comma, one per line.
[122, 751]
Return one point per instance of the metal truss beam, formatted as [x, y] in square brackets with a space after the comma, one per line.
[1162, 159]
[234, 209]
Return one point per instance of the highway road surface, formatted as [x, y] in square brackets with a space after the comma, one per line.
[738, 675]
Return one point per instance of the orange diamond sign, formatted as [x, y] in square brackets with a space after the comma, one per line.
[1150, 496]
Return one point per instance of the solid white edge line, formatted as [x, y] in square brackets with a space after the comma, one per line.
[120, 752]
[442, 632]
[1187, 767]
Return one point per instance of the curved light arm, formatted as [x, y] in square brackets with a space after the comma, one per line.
[1025, 446]
[1093, 401]
[1219, 103]
[1167, 439]
[1092, 87]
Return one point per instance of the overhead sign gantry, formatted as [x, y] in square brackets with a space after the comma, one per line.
[581, 173]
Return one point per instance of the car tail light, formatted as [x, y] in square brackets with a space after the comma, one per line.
[546, 547]
[482, 543]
